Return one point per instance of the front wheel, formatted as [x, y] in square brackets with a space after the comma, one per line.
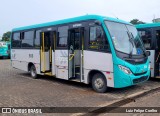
[99, 83]
[33, 72]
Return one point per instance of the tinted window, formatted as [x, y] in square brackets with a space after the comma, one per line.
[63, 35]
[16, 41]
[77, 41]
[97, 39]
[37, 39]
[146, 36]
[47, 41]
[158, 38]
[27, 39]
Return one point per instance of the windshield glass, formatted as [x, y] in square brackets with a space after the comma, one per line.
[125, 38]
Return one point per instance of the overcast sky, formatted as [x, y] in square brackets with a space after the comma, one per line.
[17, 13]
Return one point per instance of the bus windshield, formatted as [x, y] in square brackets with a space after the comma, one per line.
[125, 38]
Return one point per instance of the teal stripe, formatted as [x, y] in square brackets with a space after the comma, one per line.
[149, 25]
[81, 18]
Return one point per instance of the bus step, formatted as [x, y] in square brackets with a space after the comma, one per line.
[77, 66]
[49, 74]
[75, 79]
[77, 73]
[158, 77]
[77, 69]
[77, 76]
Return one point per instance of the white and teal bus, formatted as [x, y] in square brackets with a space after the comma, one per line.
[91, 49]
[150, 34]
[4, 49]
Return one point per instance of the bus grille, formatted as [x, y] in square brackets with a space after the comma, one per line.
[141, 79]
[139, 61]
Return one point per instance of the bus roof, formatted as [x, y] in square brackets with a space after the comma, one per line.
[70, 20]
[148, 25]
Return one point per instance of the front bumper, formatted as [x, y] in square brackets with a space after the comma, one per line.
[124, 80]
[3, 54]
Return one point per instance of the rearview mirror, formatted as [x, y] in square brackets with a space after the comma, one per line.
[148, 53]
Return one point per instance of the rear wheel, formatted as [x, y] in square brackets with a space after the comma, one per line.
[99, 83]
[33, 72]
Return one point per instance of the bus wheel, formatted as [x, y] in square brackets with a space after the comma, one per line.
[99, 83]
[33, 72]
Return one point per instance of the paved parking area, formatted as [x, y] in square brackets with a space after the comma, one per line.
[17, 89]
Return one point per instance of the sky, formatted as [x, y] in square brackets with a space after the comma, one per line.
[18, 13]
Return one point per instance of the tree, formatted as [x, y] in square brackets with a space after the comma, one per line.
[6, 36]
[136, 21]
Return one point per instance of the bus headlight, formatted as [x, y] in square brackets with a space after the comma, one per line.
[125, 69]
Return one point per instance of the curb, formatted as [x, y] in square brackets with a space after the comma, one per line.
[117, 103]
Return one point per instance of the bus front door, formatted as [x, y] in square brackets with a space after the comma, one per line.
[47, 52]
[75, 57]
[157, 65]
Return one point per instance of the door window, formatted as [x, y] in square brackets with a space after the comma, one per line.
[37, 39]
[97, 40]
[158, 38]
[62, 38]
[146, 36]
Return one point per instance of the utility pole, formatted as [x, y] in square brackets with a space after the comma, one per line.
[154, 17]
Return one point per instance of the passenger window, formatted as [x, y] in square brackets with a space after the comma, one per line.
[62, 38]
[146, 36]
[16, 41]
[158, 38]
[37, 39]
[47, 41]
[27, 39]
[97, 39]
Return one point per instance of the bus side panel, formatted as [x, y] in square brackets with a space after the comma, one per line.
[61, 64]
[152, 62]
[22, 57]
[53, 63]
[99, 61]
[20, 65]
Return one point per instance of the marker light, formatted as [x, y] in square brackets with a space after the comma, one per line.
[125, 69]
[149, 67]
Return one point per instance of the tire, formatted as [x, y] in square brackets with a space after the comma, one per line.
[33, 72]
[99, 83]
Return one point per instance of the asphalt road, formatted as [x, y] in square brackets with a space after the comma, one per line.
[18, 89]
[147, 102]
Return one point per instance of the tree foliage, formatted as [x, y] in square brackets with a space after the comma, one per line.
[136, 21]
[6, 36]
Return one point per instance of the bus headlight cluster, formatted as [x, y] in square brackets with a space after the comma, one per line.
[125, 69]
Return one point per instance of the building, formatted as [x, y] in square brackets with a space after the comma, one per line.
[156, 20]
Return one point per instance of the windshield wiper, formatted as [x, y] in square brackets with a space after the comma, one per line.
[141, 44]
[131, 41]
[143, 48]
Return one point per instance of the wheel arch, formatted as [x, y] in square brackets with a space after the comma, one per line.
[92, 73]
[29, 66]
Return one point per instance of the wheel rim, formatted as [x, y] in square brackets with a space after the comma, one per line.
[99, 83]
[33, 72]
